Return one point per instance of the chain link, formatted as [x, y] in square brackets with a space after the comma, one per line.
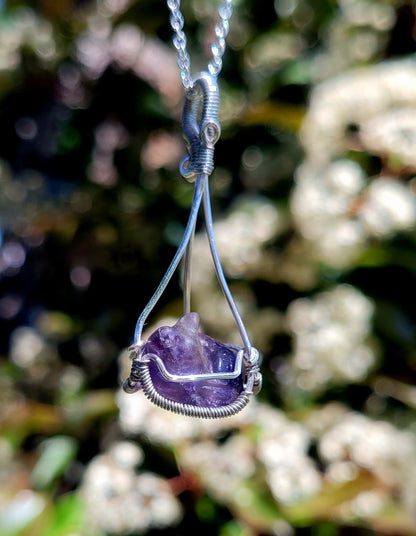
[179, 40]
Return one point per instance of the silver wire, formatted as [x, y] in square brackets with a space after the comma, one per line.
[197, 165]
[201, 192]
[196, 203]
[187, 274]
[219, 271]
[202, 412]
[184, 378]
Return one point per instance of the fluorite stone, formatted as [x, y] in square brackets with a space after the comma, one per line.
[184, 350]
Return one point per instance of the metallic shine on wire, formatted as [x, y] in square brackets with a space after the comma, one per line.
[201, 131]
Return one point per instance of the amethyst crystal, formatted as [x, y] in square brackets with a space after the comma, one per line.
[184, 351]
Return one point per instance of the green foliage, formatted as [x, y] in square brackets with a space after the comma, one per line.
[92, 208]
[56, 454]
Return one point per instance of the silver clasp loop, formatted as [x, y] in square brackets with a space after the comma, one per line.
[201, 129]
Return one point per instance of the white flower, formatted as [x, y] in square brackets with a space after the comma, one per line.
[331, 334]
[222, 468]
[373, 445]
[392, 135]
[354, 97]
[390, 206]
[282, 448]
[322, 205]
[120, 501]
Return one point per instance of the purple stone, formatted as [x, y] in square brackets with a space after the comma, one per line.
[184, 351]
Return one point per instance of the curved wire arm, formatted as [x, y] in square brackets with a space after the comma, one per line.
[219, 271]
[186, 275]
[201, 192]
[201, 130]
[190, 226]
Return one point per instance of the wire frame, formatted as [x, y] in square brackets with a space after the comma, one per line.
[141, 376]
[201, 131]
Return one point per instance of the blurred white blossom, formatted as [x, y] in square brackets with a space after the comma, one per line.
[351, 98]
[282, 448]
[25, 28]
[32, 352]
[331, 339]
[322, 205]
[241, 237]
[121, 501]
[337, 207]
[392, 135]
[356, 35]
[222, 468]
[389, 206]
[376, 446]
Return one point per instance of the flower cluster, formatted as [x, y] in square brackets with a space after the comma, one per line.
[120, 501]
[222, 469]
[332, 342]
[357, 34]
[351, 99]
[25, 28]
[282, 449]
[356, 442]
[338, 206]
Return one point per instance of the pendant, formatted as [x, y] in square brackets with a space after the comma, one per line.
[179, 368]
[188, 372]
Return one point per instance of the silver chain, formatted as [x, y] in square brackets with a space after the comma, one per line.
[217, 48]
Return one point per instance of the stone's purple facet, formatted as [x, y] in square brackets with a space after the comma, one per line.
[184, 351]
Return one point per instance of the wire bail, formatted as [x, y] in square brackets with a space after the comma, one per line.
[200, 125]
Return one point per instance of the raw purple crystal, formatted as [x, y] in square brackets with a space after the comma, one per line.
[184, 351]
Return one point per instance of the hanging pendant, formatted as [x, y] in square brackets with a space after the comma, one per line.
[185, 371]
[179, 368]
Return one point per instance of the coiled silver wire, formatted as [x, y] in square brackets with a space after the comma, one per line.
[202, 412]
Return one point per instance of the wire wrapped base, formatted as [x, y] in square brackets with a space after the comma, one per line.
[170, 369]
[141, 374]
[202, 412]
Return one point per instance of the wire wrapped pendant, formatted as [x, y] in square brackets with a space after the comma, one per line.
[179, 368]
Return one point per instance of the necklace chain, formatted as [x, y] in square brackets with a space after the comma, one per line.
[217, 47]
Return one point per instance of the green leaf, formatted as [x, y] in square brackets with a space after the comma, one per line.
[205, 508]
[261, 511]
[233, 528]
[69, 517]
[56, 455]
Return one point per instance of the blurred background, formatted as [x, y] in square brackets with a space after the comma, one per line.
[315, 210]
